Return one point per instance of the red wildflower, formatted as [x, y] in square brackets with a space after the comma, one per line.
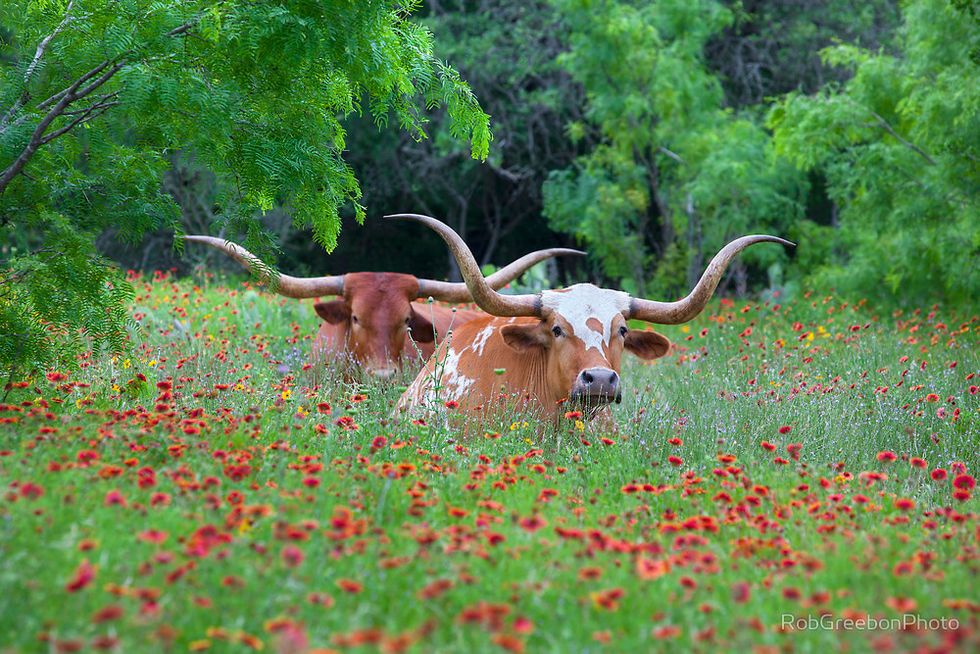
[648, 569]
[939, 474]
[917, 462]
[887, 456]
[31, 490]
[349, 586]
[533, 523]
[84, 574]
[523, 625]
[111, 612]
[675, 460]
[608, 599]
[904, 504]
[666, 632]
[741, 592]
[347, 423]
[114, 498]
[766, 445]
[509, 642]
[902, 604]
[794, 450]
[292, 556]
[932, 397]
[785, 429]
[152, 536]
[964, 482]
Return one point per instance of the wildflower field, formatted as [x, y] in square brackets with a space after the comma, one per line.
[785, 470]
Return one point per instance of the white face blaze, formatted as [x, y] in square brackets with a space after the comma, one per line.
[582, 303]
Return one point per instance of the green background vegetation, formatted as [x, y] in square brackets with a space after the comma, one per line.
[648, 132]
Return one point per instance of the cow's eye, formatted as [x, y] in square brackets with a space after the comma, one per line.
[354, 319]
[556, 330]
[408, 321]
[623, 330]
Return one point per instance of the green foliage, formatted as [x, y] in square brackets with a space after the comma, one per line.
[96, 96]
[437, 525]
[899, 145]
[82, 298]
[772, 47]
[671, 163]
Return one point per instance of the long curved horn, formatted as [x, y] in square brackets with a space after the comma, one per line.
[458, 293]
[482, 293]
[674, 313]
[296, 287]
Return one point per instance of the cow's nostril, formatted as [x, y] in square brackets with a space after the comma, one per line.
[587, 377]
[613, 378]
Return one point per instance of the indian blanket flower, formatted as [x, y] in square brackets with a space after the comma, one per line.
[964, 482]
[887, 456]
[83, 576]
[292, 556]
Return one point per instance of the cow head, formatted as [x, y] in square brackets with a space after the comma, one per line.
[583, 333]
[583, 329]
[376, 312]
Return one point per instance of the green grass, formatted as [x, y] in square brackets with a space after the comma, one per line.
[529, 540]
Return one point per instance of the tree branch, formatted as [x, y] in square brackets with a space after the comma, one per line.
[912, 146]
[74, 86]
[60, 101]
[38, 54]
[183, 29]
[86, 115]
[67, 96]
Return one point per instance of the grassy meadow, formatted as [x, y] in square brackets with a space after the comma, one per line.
[213, 492]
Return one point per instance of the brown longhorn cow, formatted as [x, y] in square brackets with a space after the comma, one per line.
[375, 323]
[552, 349]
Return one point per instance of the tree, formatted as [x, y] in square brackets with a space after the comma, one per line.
[674, 174]
[899, 145]
[507, 52]
[772, 47]
[97, 95]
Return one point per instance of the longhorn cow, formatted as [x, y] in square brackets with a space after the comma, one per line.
[553, 348]
[375, 322]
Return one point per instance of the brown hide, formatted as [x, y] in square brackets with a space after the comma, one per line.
[369, 325]
[539, 365]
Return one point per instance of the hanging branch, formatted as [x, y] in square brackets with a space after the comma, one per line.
[61, 101]
[38, 55]
[912, 146]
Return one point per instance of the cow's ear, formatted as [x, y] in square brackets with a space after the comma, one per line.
[524, 337]
[647, 345]
[422, 331]
[333, 312]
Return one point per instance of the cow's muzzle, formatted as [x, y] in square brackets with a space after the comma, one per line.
[597, 386]
[382, 373]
